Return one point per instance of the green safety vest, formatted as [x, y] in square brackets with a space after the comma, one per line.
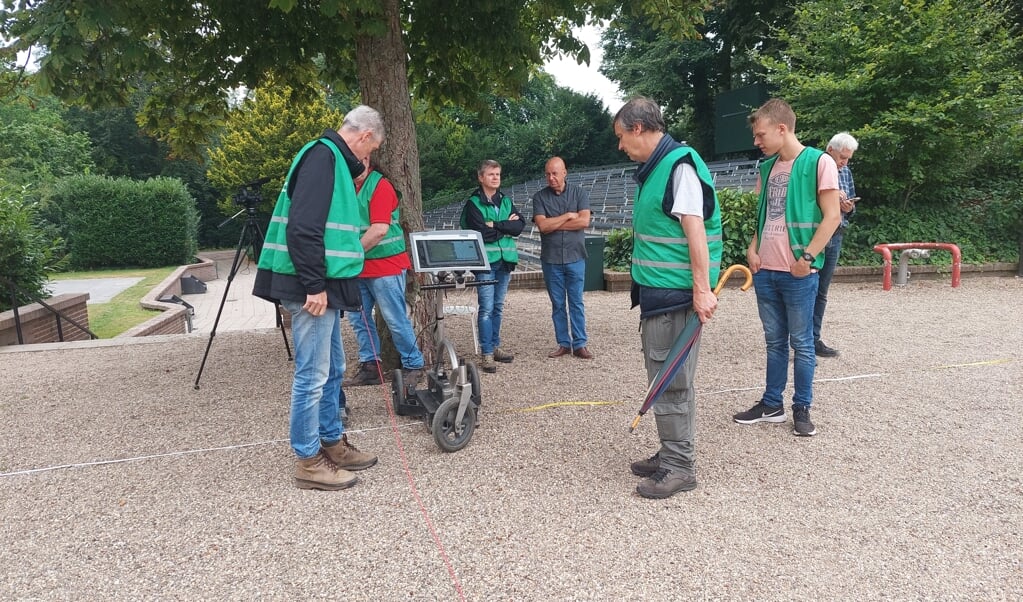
[393, 241]
[343, 250]
[504, 247]
[660, 250]
[802, 213]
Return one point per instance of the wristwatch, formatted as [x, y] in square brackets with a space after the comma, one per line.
[807, 257]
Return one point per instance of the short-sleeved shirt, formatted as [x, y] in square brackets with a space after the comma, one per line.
[561, 246]
[775, 248]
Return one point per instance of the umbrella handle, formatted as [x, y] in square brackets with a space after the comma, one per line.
[731, 270]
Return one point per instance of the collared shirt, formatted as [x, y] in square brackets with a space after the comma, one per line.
[846, 185]
[561, 246]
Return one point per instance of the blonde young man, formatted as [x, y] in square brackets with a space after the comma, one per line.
[797, 213]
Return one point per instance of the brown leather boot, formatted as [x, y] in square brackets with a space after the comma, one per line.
[368, 374]
[347, 457]
[319, 472]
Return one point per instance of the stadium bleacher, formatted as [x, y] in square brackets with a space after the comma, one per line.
[611, 190]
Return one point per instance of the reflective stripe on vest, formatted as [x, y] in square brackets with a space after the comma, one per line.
[393, 241]
[503, 248]
[343, 254]
[660, 251]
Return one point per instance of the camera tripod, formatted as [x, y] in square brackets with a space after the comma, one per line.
[251, 234]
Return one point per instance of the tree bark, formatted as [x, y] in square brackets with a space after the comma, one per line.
[382, 67]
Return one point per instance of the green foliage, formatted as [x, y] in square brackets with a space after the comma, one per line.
[115, 222]
[618, 250]
[261, 138]
[928, 88]
[191, 52]
[36, 144]
[520, 133]
[26, 253]
[985, 225]
[685, 75]
[738, 223]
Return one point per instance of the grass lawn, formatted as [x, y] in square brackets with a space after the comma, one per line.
[122, 312]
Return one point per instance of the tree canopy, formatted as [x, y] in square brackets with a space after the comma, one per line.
[930, 89]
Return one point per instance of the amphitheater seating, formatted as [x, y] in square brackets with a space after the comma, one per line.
[611, 189]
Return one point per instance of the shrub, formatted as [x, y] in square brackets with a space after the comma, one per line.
[618, 250]
[26, 253]
[120, 223]
[738, 223]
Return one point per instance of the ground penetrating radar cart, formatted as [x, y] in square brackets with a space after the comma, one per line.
[451, 400]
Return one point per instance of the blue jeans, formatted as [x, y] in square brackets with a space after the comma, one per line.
[786, 304]
[565, 288]
[831, 253]
[316, 388]
[387, 293]
[491, 302]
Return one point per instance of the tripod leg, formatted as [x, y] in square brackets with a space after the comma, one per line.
[230, 278]
[278, 309]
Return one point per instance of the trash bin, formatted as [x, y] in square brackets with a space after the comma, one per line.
[594, 278]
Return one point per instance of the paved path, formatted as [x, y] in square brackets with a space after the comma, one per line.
[241, 310]
[101, 290]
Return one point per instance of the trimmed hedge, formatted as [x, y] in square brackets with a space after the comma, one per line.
[111, 222]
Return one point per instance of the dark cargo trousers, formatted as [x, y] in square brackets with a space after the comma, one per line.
[675, 410]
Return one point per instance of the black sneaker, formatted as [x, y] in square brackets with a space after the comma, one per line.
[646, 468]
[802, 426]
[665, 483]
[760, 413]
[823, 350]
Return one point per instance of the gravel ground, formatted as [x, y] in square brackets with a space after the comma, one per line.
[120, 481]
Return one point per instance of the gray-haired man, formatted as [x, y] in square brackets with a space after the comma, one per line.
[841, 148]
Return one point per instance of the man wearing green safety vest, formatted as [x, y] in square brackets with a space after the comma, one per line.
[494, 215]
[797, 212]
[382, 282]
[676, 256]
[309, 263]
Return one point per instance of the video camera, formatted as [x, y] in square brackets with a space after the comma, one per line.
[250, 194]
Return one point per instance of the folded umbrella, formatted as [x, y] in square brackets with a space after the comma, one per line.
[679, 352]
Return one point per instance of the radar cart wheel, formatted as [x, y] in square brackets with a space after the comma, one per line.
[450, 436]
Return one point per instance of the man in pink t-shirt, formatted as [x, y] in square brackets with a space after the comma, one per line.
[798, 211]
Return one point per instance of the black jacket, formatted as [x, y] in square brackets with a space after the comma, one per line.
[311, 188]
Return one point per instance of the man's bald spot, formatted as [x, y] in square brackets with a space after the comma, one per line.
[555, 165]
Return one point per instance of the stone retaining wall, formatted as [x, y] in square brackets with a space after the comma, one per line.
[173, 318]
[39, 325]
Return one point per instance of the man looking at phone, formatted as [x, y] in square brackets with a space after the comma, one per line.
[841, 148]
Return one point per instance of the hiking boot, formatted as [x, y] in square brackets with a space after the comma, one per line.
[823, 350]
[411, 376]
[665, 483]
[646, 468]
[368, 374]
[319, 472]
[500, 355]
[346, 456]
[802, 427]
[760, 413]
[487, 363]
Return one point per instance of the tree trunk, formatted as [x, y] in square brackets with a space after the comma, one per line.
[382, 67]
